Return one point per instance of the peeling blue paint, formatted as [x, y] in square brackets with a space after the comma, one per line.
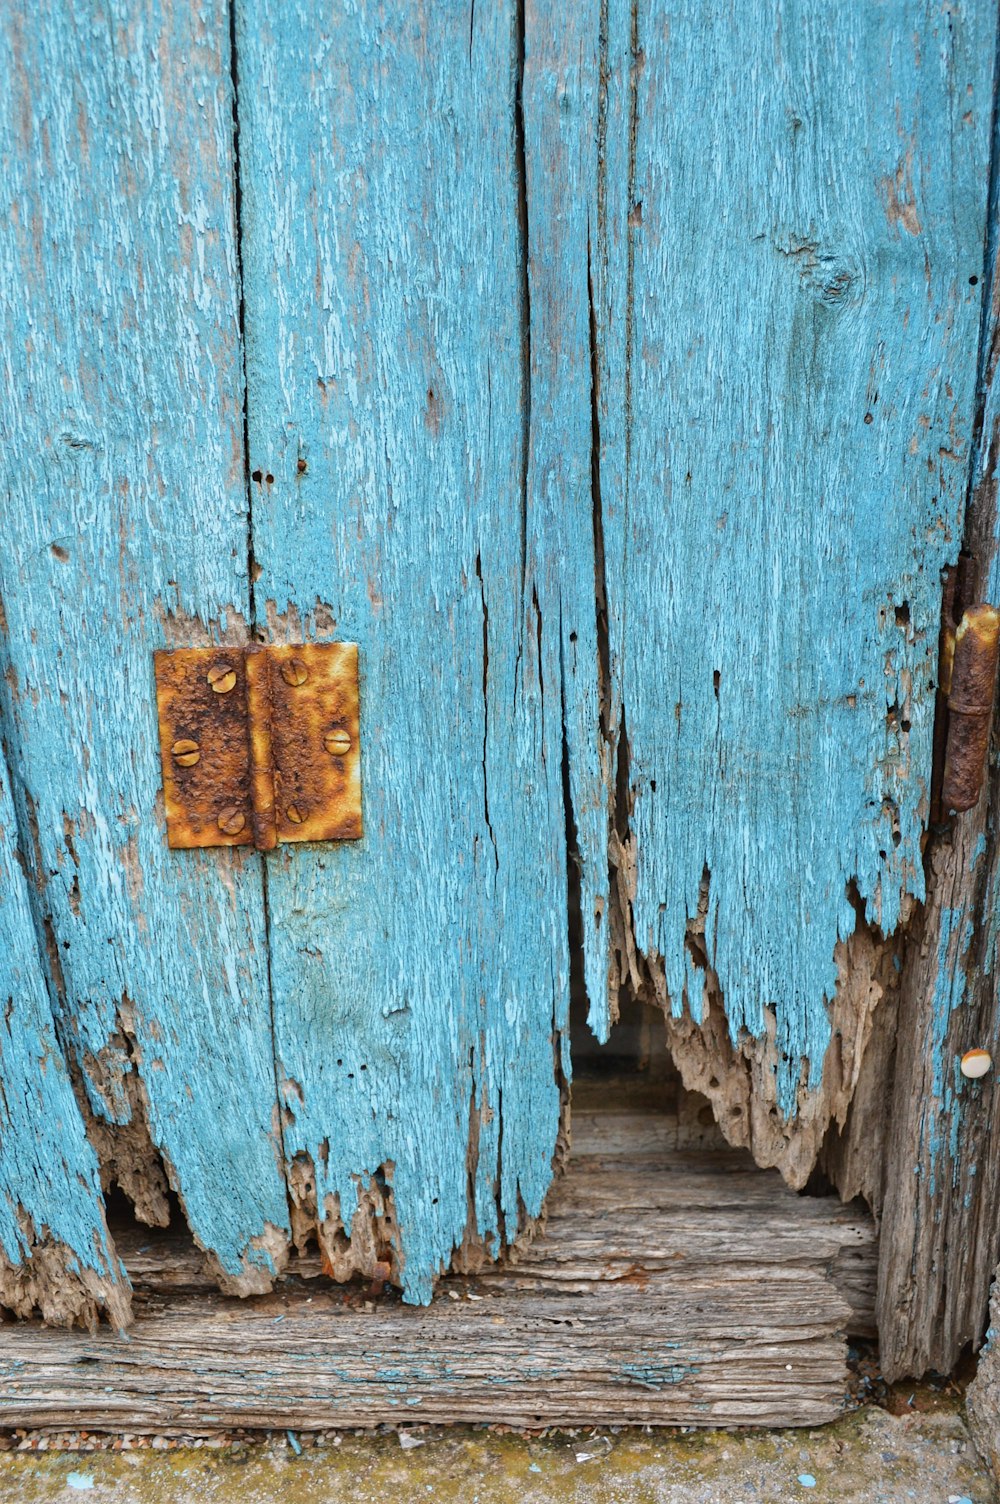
[420, 976]
[787, 389]
[49, 1182]
[123, 515]
[655, 1374]
[446, 230]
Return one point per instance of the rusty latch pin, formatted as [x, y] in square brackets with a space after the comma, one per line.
[258, 670]
[971, 693]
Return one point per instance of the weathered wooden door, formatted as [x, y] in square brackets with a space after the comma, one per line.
[608, 374]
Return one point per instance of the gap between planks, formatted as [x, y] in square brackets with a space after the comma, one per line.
[672, 1285]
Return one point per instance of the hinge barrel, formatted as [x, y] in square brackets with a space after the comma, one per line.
[258, 670]
[971, 690]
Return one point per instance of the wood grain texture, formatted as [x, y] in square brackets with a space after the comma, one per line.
[787, 313]
[940, 1230]
[123, 514]
[420, 976]
[668, 1288]
[611, 383]
[56, 1254]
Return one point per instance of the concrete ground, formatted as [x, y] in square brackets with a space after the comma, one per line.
[870, 1457]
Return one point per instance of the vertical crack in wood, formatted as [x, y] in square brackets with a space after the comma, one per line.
[601, 1011]
[574, 909]
[523, 223]
[597, 521]
[486, 709]
[256, 626]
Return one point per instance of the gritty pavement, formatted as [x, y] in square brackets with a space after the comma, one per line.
[870, 1457]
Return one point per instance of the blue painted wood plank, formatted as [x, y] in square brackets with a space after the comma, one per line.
[56, 1253]
[788, 307]
[124, 519]
[420, 976]
[940, 1236]
[563, 101]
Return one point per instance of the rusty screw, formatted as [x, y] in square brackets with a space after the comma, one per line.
[294, 672]
[222, 678]
[294, 815]
[185, 753]
[337, 742]
[231, 821]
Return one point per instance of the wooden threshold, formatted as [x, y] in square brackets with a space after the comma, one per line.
[671, 1286]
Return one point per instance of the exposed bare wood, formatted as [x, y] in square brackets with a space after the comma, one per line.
[740, 1080]
[668, 1287]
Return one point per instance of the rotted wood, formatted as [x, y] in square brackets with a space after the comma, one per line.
[670, 1286]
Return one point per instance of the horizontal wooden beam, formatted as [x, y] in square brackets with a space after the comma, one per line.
[669, 1287]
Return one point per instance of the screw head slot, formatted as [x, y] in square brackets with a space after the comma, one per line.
[222, 678]
[294, 672]
[231, 820]
[185, 752]
[337, 742]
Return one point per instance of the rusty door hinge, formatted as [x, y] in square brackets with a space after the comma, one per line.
[968, 679]
[260, 744]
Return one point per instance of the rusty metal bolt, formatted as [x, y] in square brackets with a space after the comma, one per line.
[294, 672]
[337, 742]
[231, 821]
[222, 678]
[293, 815]
[185, 752]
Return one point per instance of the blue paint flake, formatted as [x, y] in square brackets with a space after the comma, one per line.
[81, 1481]
[807, 1480]
[656, 1375]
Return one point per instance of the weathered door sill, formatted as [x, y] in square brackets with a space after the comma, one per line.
[671, 1286]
